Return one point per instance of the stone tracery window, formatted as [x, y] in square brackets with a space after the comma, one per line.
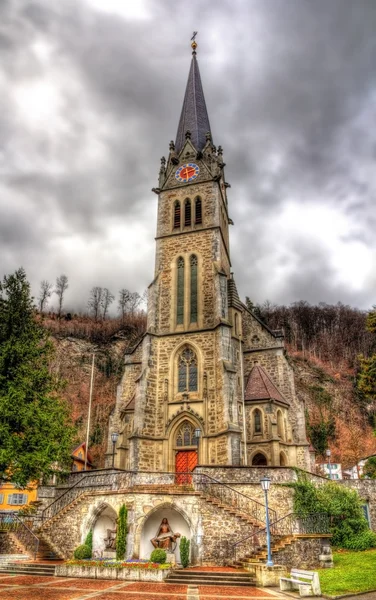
[185, 435]
[180, 292]
[187, 371]
[194, 263]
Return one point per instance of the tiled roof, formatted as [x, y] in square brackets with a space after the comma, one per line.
[131, 403]
[260, 386]
[194, 115]
[233, 296]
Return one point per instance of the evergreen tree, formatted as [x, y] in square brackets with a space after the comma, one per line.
[35, 430]
[121, 533]
[366, 380]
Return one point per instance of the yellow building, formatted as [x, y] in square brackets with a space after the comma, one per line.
[13, 498]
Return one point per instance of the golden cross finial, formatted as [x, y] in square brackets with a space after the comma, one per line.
[194, 43]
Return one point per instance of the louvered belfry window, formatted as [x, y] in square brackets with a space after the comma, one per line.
[193, 265]
[177, 215]
[187, 371]
[186, 435]
[187, 213]
[180, 292]
[198, 211]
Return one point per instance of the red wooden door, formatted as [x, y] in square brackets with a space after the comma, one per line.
[185, 462]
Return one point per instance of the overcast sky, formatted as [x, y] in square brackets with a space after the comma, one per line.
[90, 96]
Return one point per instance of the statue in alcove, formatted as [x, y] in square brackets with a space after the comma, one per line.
[165, 537]
[110, 540]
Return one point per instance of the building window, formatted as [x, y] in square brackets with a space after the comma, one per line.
[186, 435]
[177, 215]
[236, 319]
[180, 292]
[187, 213]
[257, 423]
[194, 263]
[187, 371]
[17, 499]
[198, 211]
[1, 498]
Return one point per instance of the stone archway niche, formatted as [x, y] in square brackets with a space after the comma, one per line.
[105, 520]
[175, 520]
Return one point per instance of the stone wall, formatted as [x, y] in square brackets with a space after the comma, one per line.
[366, 489]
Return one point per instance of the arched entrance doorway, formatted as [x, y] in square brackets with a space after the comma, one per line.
[259, 460]
[186, 452]
[176, 523]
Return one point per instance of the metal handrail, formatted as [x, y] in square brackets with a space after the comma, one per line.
[12, 523]
[67, 497]
[291, 519]
[261, 507]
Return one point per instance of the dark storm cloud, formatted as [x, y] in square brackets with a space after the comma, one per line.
[90, 99]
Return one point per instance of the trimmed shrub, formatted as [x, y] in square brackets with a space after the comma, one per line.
[82, 551]
[158, 556]
[184, 551]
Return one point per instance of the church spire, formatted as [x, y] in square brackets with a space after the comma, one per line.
[194, 116]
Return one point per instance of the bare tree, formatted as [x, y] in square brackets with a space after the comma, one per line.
[46, 289]
[61, 287]
[128, 302]
[95, 301]
[106, 300]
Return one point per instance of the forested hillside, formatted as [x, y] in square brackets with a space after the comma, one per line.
[324, 345]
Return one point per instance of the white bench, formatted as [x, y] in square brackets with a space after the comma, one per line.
[307, 582]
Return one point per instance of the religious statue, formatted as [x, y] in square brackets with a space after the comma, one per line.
[110, 540]
[165, 537]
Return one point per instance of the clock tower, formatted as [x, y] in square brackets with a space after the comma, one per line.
[192, 384]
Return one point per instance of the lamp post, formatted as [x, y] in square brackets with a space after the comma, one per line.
[265, 484]
[197, 436]
[114, 438]
[328, 453]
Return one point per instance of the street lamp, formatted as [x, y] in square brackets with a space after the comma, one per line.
[114, 438]
[265, 484]
[328, 453]
[197, 436]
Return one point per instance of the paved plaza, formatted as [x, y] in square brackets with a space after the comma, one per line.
[31, 587]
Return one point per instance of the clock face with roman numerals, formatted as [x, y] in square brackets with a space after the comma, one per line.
[187, 173]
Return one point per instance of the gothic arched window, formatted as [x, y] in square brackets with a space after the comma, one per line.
[185, 435]
[177, 215]
[187, 371]
[257, 422]
[180, 292]
[187, 213]
[198, 211]
[193, 266]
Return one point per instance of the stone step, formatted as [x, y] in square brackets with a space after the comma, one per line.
[219, 581]
[212, 575]
[28, 568]
[13, 557]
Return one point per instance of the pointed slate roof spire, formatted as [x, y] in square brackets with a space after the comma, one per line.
[194, 115]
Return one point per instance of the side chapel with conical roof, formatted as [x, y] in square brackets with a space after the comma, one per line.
[208, 383]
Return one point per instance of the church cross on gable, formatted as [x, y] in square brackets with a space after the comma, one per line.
[203, 349]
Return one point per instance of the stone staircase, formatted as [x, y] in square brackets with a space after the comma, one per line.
[204, 577]
[48, 524]
[260, 553]
[10, 544]
[46, 552]
[26, 568]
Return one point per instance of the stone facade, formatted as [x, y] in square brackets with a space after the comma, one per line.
[194, 308]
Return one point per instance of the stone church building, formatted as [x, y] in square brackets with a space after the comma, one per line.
[206, 405]
[206, 362]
